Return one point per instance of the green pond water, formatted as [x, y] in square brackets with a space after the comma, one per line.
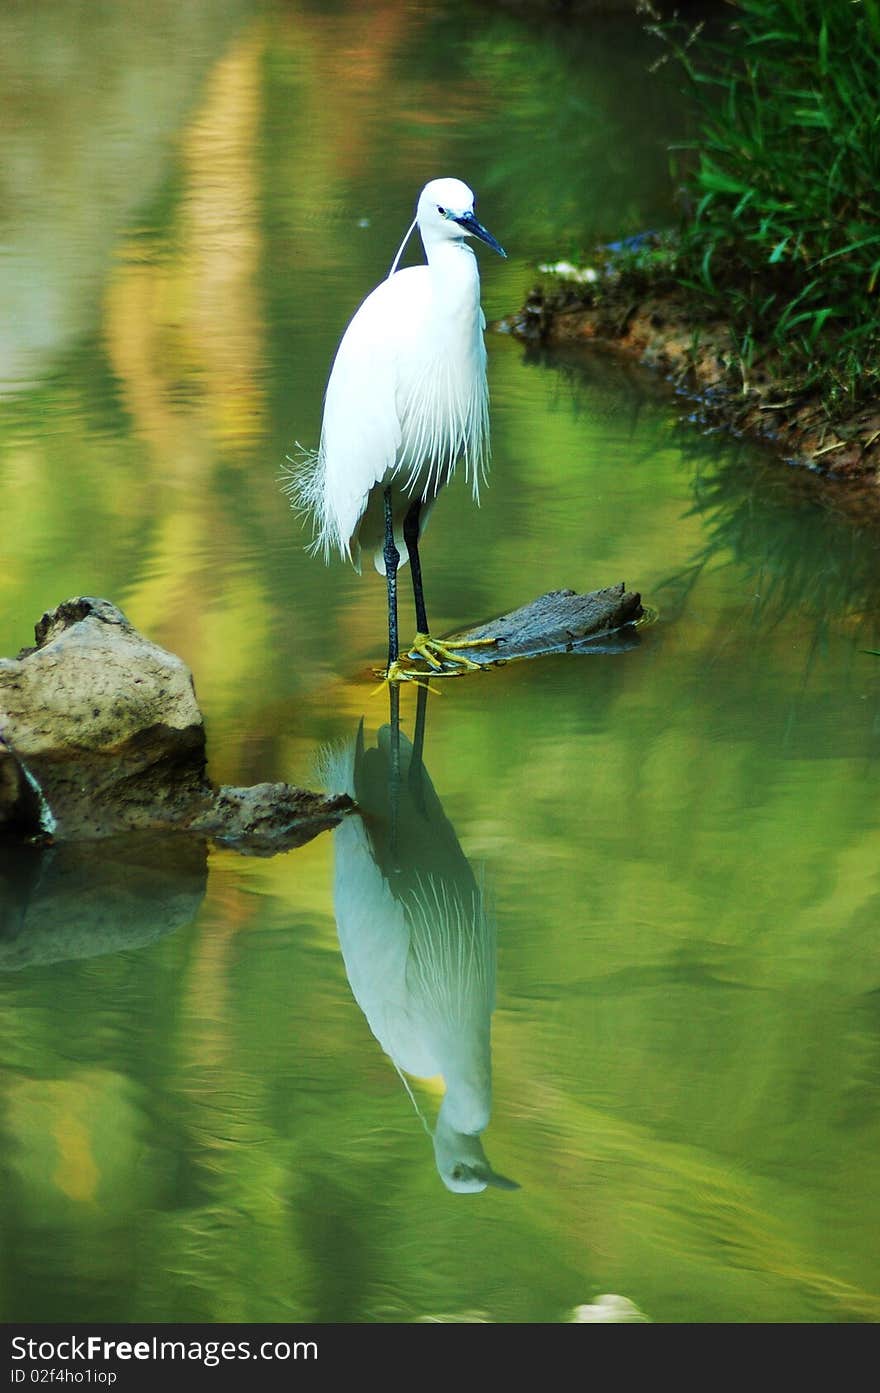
[667, 858]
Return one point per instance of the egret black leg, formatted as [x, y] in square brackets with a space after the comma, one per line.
[419, 732]
[392, 557]
[416, 781]
[394, 772]
[411, 537]
[440, 657]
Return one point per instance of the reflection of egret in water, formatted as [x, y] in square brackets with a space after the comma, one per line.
[417, 939]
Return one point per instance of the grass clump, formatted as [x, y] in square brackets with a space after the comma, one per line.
[782, 233]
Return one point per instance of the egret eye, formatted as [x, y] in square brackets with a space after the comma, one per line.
[441, 211]
[458, 1173]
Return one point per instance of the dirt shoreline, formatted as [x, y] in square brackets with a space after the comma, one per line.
[658, 328]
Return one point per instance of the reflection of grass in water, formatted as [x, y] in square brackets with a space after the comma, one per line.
[781, 528]
[593, 158]
[704, 1215]
[696, 1216]
[750, 1238]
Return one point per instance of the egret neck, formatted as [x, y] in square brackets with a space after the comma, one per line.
[455, 277]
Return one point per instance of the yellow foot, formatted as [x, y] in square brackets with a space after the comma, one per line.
[398, 673]
[436, 653]
[443, 660]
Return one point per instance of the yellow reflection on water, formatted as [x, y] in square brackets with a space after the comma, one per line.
[183, 326]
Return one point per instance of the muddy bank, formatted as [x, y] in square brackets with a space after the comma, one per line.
[101, 734]
[657, 326]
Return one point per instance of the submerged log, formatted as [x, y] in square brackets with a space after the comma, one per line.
[602, 621]
[101, 733]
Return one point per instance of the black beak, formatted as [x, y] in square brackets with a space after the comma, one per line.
[501, 1182]
[475, 229]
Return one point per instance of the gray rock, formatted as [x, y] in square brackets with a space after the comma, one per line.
[101, 733]
[267, 818]
[100, 729]
[92, 683]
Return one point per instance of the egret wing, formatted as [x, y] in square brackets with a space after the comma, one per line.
[361, 432]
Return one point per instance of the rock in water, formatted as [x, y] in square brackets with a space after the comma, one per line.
[102, 727]
[92, 683]
[101, 733]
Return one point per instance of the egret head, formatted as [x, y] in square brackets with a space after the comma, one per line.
[461, 1161]
[445, 212]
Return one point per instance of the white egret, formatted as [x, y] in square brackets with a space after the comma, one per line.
[406, 402]
[417, 939]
